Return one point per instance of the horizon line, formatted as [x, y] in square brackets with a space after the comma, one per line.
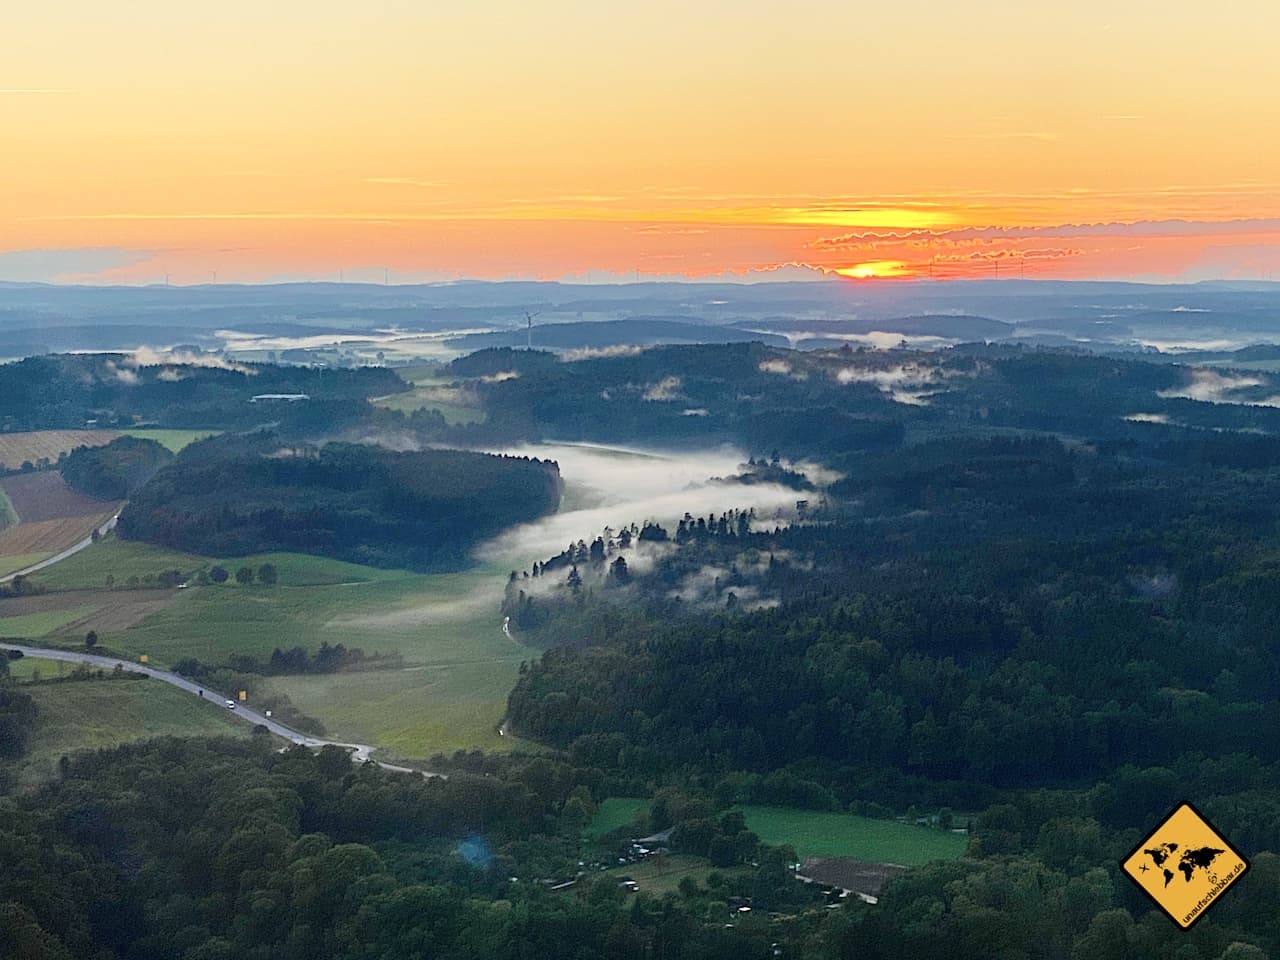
[830, 279]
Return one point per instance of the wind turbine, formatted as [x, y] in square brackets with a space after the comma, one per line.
[528, 317]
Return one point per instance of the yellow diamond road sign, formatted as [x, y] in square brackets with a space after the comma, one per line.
[1184, 865]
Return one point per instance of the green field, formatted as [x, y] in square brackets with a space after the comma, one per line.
[29, 668]
[457, 666]
[175, 440]
[39, 624]
[411, 615]
[20, 561]
[123, 559]
[88, 569]
[414, 712]
[813, 833]
[454, 413]
[614, 812]
[432, 390]
[816, 834]
[450, 693]
[87, 714]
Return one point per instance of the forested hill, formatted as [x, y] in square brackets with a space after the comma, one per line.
[67, 391]
[613, 333]
[114, 471]
[236, 495]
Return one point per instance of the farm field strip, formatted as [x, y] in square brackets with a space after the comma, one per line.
[36, 625]
[44, 495]
[824, 833]
[20, 561]
[104, 611]
[36, 445]
[47, 537]
[125, 559]
[814, 832]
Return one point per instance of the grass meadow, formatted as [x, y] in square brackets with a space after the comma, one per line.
[815, 833]
[448, 692]
[89, 714]
[613, 813]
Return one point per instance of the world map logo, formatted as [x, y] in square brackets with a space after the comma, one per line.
[1191, 860]
[1184, 865]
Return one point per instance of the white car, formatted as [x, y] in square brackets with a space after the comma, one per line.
[231, 704]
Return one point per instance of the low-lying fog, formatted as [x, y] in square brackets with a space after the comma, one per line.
[612, 486]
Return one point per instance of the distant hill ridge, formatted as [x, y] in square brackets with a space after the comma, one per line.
[952, 326]
[614, 333]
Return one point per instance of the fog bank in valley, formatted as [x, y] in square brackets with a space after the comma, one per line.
[609, 486]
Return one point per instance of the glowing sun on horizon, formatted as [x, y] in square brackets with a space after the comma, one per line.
[875, 268]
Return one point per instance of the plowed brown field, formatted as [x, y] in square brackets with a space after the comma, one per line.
[45, 496]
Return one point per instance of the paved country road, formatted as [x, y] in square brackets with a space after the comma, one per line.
[102, 531]
[359, 751]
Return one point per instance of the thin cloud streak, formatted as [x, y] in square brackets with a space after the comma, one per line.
[1142, 228]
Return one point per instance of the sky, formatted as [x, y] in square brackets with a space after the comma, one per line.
[413, 140]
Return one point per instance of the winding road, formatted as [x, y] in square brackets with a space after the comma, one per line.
[359, 751]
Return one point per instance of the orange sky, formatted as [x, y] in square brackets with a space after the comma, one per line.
[291, 139]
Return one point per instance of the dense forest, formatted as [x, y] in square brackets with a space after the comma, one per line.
[993, 613]
[210, 850]
[70, 391]
[115, 471]
[835, 404]
[1071, 636]
[236, 495]
[679, 397]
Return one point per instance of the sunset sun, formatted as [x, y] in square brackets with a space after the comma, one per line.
[875, 269]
